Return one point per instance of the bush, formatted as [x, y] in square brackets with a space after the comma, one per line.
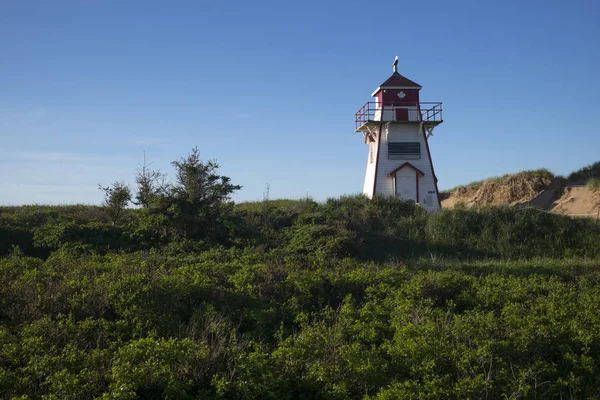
[587, 172]
[513, 233]
[159, 368]
[260, 324]
[331, 241]
[116, 198]
[347, 299]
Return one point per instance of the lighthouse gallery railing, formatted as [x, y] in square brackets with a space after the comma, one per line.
[373, 111]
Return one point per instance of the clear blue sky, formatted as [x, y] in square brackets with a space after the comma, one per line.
[270, 88]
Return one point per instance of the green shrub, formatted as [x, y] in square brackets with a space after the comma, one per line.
[332, 241]
[347, 299]
[585, 173]
[159, 368]
[513, 233]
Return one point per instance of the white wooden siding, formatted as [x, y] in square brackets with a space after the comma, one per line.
[370, 171]
[409, 132]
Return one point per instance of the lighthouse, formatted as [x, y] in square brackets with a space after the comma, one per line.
[396, 127]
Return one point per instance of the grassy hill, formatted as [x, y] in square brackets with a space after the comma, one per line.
[194, 297]
[507, 189]
[288, 299]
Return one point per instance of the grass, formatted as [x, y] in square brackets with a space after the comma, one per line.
[506, 189]
[507, 179]
[594, 184]
[522, 186]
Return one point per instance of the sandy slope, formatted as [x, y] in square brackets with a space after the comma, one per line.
[576, 199]
[492, 193]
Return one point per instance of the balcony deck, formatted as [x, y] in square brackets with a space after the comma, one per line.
[373, 114]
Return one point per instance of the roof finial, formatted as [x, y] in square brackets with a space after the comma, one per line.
[395, 64]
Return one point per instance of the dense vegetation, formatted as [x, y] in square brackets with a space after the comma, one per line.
[193, 297]
[346, 299]
[586, 173]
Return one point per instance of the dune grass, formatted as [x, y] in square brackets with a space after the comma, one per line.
[594, 184]
[506, 179]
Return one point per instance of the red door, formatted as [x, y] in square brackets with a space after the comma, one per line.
[401, 114]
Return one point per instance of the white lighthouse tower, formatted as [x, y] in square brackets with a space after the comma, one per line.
[397, 127]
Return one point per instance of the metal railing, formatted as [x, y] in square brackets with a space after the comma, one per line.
[421, 111]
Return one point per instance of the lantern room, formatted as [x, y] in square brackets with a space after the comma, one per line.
[397, 100]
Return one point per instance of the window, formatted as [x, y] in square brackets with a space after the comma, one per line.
[404, 150]
[371, 152]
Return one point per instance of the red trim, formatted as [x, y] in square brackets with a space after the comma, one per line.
[406, 164]
[417, 179]
[437, 191]
[377, 161]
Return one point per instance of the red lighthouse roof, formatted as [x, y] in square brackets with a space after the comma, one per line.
[397, 80]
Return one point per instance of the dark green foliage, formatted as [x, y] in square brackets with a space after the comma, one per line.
[196, 207]
[199, 200]
[160, 368]
[514, 232]
[351, 226]
[587, 172]
[116, 198]
[348, 299]
[253, 325]
[18, 225]
[331, 241]
[150, 185]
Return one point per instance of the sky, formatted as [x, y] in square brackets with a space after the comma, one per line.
[269, 89]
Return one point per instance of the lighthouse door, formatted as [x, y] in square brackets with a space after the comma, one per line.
[406, 184]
